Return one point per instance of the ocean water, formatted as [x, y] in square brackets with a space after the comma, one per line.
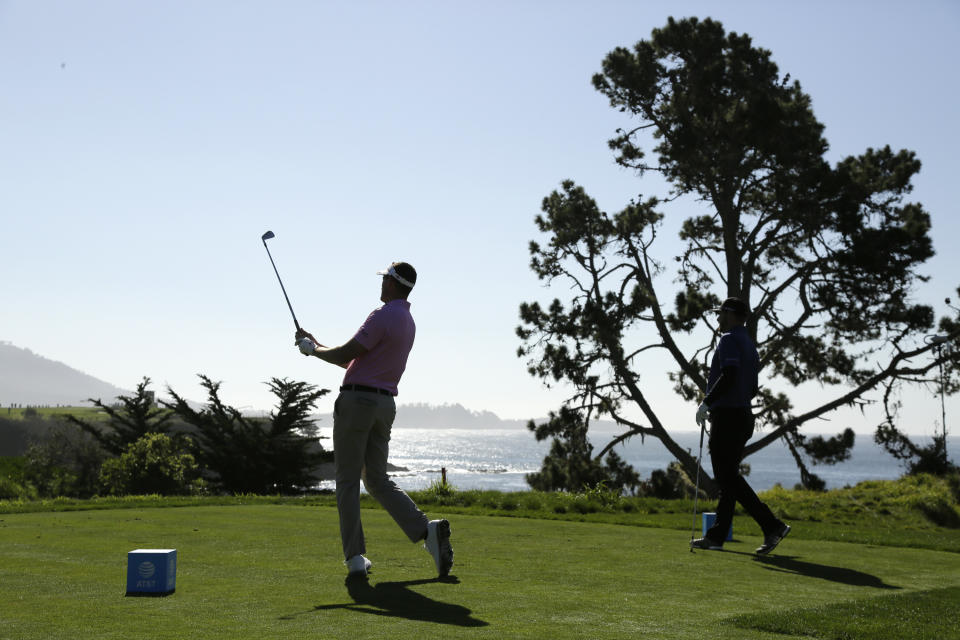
[499, 459]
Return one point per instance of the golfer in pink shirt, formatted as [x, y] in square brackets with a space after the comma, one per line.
[363, 414]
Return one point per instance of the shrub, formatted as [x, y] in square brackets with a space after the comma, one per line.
[11, 489]
[509, 502]
[532, 502]
[240, 454]
[64, 461]
[670, 483]
[156, 464]
[12, 467]
[129, 420]
[570, 464]
[611, 499]
[440, 489]
[941, 513]
[953, 481]
[467, 498]
[582, 504]
[489, 499]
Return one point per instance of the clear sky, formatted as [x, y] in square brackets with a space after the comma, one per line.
[146, 146]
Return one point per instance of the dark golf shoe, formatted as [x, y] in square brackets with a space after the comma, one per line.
[771, 541]
[706, 543]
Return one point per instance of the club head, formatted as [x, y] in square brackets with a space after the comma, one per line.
[267, 236]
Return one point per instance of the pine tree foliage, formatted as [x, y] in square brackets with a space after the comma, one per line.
[827, 256]
[241, 454]
[129, 419]
[570, 465]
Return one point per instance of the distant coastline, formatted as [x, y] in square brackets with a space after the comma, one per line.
[445, 416]
[29, 379]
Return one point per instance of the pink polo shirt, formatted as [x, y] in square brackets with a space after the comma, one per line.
[388, 333]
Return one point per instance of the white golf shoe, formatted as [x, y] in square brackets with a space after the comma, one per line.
[358, 566]
[438, 544]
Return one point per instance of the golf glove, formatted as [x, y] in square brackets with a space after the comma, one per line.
[307, 346]
[703, 412]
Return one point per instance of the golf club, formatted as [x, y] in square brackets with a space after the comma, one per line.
[696, 491]
[266, 236]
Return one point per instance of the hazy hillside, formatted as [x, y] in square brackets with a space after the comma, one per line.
[29, 379]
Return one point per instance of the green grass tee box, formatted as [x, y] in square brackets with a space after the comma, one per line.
[923, 615]
[276, 571]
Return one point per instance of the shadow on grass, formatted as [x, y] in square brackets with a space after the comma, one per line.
[790, 564]
[396, 599]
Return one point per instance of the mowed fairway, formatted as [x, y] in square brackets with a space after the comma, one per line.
[275, 571]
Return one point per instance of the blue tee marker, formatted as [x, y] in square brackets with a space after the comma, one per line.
[151, 572]
[708, 519]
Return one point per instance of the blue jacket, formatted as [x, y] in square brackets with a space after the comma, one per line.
[737, 353]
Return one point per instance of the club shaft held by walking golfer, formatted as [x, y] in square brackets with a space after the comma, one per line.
[266, 236]
[696, 486]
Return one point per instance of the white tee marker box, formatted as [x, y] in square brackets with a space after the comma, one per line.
[151, 572]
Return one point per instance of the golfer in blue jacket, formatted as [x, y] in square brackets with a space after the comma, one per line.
[731, 386]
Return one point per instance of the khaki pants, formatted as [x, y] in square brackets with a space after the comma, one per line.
[361, 438]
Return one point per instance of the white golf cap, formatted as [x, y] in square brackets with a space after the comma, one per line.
[409, 277]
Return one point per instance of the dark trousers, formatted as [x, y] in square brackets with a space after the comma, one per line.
[730, 429]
